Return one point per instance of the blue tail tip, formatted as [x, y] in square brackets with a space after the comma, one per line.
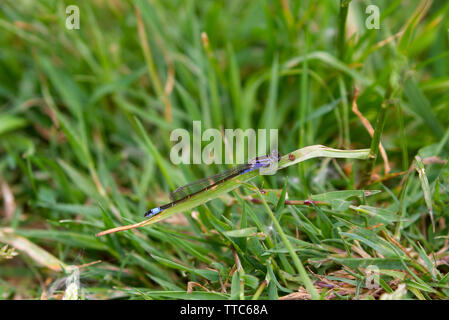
[152, 212]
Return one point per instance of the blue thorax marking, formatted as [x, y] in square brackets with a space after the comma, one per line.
[247, 170]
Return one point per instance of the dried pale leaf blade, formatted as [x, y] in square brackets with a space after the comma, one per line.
[35, 252]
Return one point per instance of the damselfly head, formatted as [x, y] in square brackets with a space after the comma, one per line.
[274, 155]
[266, 161]
[260, 162]
[270, 165]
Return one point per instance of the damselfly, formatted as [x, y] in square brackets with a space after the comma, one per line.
[189, 190]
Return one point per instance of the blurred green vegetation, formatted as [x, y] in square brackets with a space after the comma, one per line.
[85, 122]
